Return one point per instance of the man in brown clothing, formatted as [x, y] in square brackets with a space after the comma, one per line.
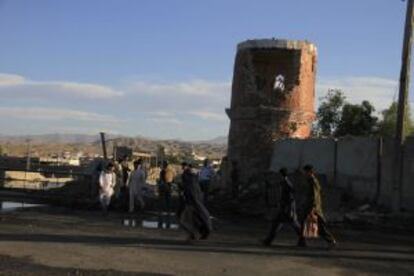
[314, 205]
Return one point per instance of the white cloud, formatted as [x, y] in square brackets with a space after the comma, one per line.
[16, 86]
[202, 114]
[379, 91]
[10, 79]
[154, 108]
[52, 114]
[167, 121]
[196, 88]
[193, 108]
[212, 116]
[163, 118]
[85, 90]
[189, 100]
[161, 114]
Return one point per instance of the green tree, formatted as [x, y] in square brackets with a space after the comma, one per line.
[329, 112]
[387, 125]
[336, 117]
[357, 120]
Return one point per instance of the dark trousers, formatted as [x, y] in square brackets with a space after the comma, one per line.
[277, 224]
[180, 207]
[165, 204]
[201, 225]
[324, 233]
[205, 188]
[124, 198]
[235, 188]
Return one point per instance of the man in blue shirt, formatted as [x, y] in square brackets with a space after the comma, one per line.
[204, 177]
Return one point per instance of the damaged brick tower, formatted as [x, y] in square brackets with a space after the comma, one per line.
[272, 98]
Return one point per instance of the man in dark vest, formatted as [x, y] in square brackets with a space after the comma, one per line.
[194, 216]
[287, 210]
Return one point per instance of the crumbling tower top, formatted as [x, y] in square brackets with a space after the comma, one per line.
[277, 43]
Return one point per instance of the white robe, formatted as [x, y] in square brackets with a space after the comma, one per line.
[107, 181]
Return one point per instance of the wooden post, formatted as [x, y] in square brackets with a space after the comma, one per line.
[29, 149]
[335, 165]
[380, 150]
[402, 103]
[405, 73]
[103, 145]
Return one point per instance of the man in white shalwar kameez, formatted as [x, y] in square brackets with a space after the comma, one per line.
[107, 181]
[136, 183]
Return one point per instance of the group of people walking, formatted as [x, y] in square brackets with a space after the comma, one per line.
[312, 212]
[192, 214]
[193, 189]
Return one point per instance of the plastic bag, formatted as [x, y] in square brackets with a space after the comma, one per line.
[311, 229]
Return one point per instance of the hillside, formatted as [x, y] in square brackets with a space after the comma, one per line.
[89, 145]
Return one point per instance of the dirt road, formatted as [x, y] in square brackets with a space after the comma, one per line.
[65, 242]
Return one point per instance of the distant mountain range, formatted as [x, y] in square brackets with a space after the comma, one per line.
[44, 145]
[219, 140]
[55, 138]
[58, 138]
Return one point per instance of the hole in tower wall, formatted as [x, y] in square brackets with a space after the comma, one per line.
[279, 83]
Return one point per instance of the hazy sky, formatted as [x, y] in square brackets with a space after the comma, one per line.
[163, 68]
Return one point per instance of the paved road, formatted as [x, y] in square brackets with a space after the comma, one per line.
[61, 242]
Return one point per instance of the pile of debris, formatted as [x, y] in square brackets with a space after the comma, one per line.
[365, 215]
[371, 216]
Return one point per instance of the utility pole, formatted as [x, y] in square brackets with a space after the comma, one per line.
[402, 103]
[405, 73]
[29, 149]
[28, 157]
[103, 145]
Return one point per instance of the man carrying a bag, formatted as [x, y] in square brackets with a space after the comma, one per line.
[313, 208]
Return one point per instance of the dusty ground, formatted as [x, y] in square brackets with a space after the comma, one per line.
[65, 242]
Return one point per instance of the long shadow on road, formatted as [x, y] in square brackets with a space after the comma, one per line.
[221, 247]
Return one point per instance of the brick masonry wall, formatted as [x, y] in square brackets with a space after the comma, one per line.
[272, 98]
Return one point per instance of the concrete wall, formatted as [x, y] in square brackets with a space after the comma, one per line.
[407, 193]
[362, 165]
[357, 166]
[295, 153]
[387, 176]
